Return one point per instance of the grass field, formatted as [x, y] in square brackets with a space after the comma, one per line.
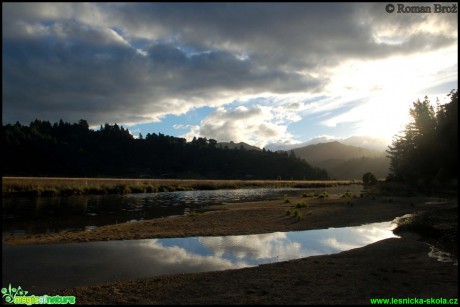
[41, 186]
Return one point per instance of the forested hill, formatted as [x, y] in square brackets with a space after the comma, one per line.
[344, 162]
[333, 151]
[74, 150]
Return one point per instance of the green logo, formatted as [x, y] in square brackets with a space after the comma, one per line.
[10, 293]
[19, 296]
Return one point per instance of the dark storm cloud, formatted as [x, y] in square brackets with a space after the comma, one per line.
[136, 62]
[53, 78]
[216, 70]
[287, 33]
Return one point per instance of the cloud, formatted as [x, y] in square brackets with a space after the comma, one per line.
[114, 82]
[175, 256]
[261, 121]
[254, 125]
[138, 62]
[253, 247]
[73, 71]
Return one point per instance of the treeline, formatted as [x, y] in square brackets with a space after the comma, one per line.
[74, 150]
[425, 155]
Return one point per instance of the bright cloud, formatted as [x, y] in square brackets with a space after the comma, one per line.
[254, 247]
[255, 125]
[178, 256]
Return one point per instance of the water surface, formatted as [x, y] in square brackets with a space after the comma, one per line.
[42, 268]
[23, 215]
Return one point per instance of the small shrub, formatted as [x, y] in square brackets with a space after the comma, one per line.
[286, 200]
[298, 214]
[288, 212]
[347, 194]
[323, 194]
[369, 179]
[192, 213]
[300, 205]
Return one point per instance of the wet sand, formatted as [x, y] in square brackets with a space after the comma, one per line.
[397, 268]
[392, 268]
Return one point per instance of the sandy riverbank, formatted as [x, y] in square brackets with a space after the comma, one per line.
[397, 268]
[251, 218]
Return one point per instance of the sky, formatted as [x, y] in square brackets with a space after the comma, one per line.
[260, 73]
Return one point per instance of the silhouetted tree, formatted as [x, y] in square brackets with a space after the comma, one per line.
[426, 152]
[369, 179]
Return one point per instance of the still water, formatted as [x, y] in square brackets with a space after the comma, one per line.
[22, 215]
[42, 268]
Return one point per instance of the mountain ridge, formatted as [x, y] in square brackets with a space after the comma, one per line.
[341, 161]
[344, 162]
[374, 143]
[333, 150]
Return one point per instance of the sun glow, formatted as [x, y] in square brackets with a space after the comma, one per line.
[388, 88]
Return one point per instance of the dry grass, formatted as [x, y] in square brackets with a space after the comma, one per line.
[37, 186]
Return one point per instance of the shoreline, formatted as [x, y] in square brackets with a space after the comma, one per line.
[251, 218]
[395, 267]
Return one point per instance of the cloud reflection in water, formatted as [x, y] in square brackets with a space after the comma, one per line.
[59, 266]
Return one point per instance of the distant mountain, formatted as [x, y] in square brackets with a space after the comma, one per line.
[368, 142]
[233, 145]
[345, 161]
[286, 147]
[334, 150]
